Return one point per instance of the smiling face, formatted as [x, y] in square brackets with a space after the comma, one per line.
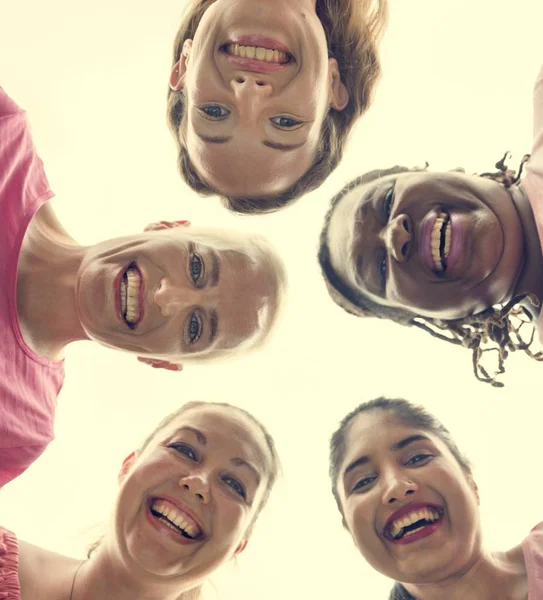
[411, 509]
[441, 245]
[188, 500]
[258, 84]
[176, 293]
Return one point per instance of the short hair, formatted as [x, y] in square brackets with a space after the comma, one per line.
[353, 29]
[497, 328]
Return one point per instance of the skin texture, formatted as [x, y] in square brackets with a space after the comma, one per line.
[77, 292]
[304, 91]
[135, 560]
[382, 255]
[451, 562]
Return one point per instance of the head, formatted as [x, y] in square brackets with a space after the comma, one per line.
[405, 492]
[259, 133]
[440, 251]
[175, 294]
[189, 497]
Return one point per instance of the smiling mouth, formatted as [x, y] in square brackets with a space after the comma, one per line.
[258, 53]
[413, 522]
[440, 241]
[130, 296]
[175, 519]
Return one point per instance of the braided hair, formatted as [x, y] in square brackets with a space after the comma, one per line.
[496, 329]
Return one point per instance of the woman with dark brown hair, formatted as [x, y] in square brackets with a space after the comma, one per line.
[263, 94]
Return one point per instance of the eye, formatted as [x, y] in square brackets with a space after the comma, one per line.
[184, 449]
[285, 122]
[383, 270]
[418, 458]
[196, 265]
[215, 112]
[361, 484]
[194, 329]
[388, 201]
[236, 486]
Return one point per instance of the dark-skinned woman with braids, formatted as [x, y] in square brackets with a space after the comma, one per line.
[456, 255]
[409, 499]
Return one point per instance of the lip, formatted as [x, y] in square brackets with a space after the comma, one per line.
[260, 41]
[428, 530]
[186, 509]
[141, 297]
[425, 239]
[255, 66]
[457, 244]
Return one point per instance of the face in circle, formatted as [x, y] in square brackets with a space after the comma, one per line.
[175, 293]
[253, 126]
[441, 245]
[393, 476]
[185, 504]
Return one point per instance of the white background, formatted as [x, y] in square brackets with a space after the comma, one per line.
[456, 91]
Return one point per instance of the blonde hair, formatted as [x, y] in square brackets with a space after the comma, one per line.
[353, 29]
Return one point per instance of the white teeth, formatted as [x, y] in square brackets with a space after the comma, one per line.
[264, 54]
[435, 240]
[429, 514]
[180, 520]
[130, 289]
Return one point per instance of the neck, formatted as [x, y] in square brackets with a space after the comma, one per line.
[105, 579]
[46, 279]
[530, 280]
[494, 576]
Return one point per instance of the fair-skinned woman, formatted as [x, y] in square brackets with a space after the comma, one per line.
[263, 93]
[408, 498]
[443, 251]
[187, 502]
[170, 295]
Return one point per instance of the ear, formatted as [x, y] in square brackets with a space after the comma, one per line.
[179, 70]
[339, 96]
[161, 364]
[241, 547]
[166, 225]
[126, 466]
[474, 487]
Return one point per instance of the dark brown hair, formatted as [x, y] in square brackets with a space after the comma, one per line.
[353, 29]
[407, 413]
[496, 329]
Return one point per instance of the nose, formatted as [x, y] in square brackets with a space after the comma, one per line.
[399, 237]
[250, 88]
[397, 488]
[197, 485]
[168, 297]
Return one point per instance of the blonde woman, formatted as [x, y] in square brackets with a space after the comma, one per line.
[187, 503]
[263, 94]
[169, 295]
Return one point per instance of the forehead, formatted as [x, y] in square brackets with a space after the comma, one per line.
[226, 430]
[245, 167]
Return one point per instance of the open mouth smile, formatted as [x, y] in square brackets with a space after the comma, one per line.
[413, 523]
[440, 241]
[257, 54]
[131, 296]
[167, 516]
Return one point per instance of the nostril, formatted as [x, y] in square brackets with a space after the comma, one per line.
[200, 496]
[406, 225]
[239, 80]
[405, 249]
[260, 83]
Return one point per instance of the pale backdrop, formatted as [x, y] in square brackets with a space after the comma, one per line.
[456, 92]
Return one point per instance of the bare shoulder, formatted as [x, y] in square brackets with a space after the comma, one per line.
[44, 575]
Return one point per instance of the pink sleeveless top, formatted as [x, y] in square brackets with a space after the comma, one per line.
[29, 384]
[532, 548]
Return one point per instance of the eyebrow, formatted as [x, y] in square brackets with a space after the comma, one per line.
[236, 461]
[213, 325]
[362, 460]
[225, 139]
[214, 139]
[215, 270]
[283, 147]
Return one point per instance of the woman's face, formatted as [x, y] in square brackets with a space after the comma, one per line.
[411, 509]
[174, 293]
[253, 126]
[186, 502]
[441, 245]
